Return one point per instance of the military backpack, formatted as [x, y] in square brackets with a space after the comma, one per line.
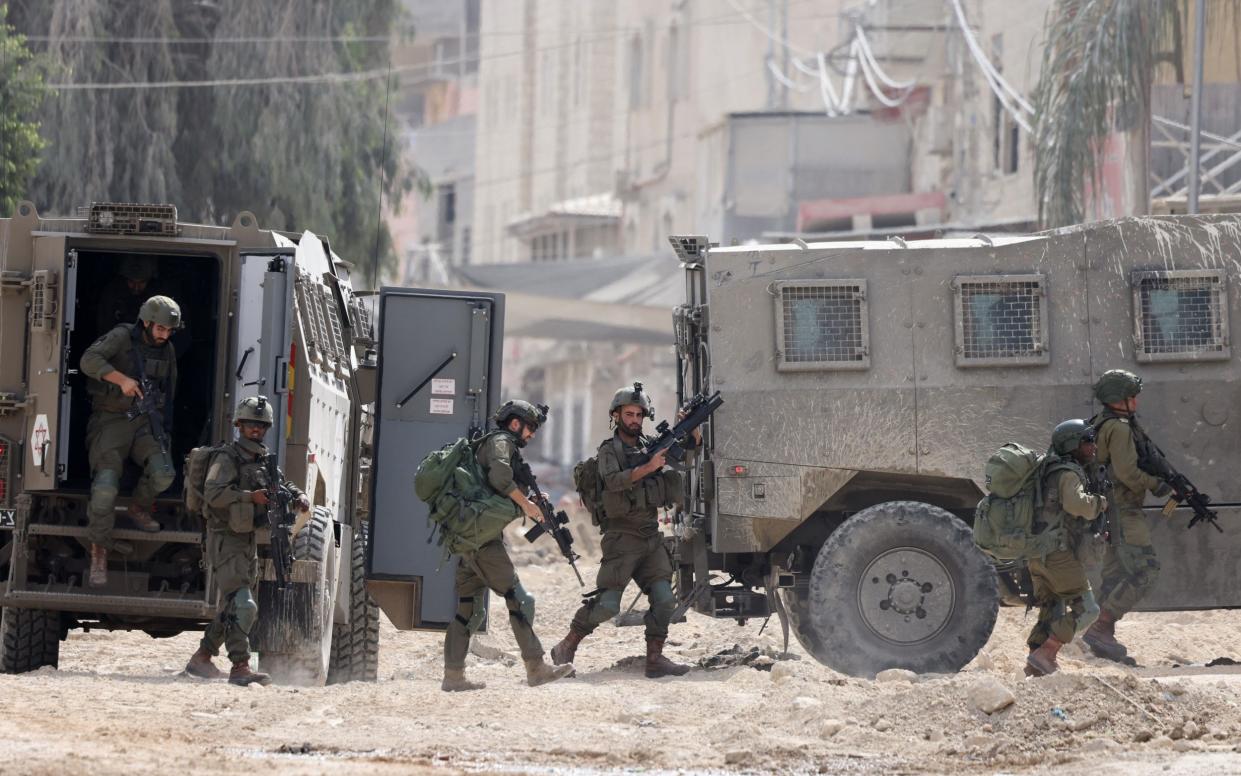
[589, 485]
[197, 463]
[464, 509]
[1004, 521]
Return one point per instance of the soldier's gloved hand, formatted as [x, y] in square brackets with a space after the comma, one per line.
[259, 497]
[1162, 491]
[302, 504]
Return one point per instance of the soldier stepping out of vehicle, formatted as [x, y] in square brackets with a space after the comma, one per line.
[632, 491]
[488, 566]
[235, 497]
[1066, 603]
[123, 294]
[132, 374]
[1130, 565]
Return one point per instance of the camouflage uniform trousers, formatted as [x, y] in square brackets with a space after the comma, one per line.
[234, 568]
[1060, 585]
[489, 568]
[110, 437]
[645, 560]
[1130, 566]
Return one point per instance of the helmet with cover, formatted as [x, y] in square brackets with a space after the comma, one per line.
[533, 415]
[161, 310]
[632, 395]
[254, 409]
[1116, 385]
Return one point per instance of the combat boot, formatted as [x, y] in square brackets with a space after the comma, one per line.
[98, 576]
[657, 665]
[200, 665]
[143, 520]
[455, 681]
[1101, 638]
[539, 671]
[566, 650]
[242, 676]
[1042, 660]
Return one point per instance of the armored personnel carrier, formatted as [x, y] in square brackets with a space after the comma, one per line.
[264, 312]
[866, 383]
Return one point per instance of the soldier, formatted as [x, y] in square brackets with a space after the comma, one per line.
[1130, 566]
[122, 295]
[489, 568]
[633, 547]
[236, 497]
[115, 365]
[1066, 602]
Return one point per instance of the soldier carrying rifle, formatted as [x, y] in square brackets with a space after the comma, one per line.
[132, 374]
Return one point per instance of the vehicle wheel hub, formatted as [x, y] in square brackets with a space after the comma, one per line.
[906, 596]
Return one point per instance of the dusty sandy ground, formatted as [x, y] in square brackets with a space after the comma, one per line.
[120, 704]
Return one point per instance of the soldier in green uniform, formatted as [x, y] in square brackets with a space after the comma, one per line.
[123, 295]
[236, 498]
[489, 567]
[114, 365]
[633, 548]
[1066, 603]
[1130, 565]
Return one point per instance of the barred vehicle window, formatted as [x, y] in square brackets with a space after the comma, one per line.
[822, 324]
[1180, 315]
[1001, 320]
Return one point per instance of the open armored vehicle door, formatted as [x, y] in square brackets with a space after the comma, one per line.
[439, 379]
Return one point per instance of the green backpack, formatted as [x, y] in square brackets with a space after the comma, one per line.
[1004, 519]
[589, 485]
[464, 508]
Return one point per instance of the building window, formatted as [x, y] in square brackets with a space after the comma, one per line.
[1001, 320]
[822, 324]
[448, 205]
[1006, 135]
[1180, 315]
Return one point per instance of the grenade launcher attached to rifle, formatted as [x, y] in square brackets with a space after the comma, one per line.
[674, 441]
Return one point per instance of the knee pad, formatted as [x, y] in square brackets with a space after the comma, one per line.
[609, 603]
[245, 609]
[103, 489]
[159, 472]
[520, 603]
[1087, 610]
[663, 600]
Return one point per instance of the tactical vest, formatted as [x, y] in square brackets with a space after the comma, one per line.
[1123, 496]
[636, 510]
[108, 397]
[242, 516]
[1052, 515]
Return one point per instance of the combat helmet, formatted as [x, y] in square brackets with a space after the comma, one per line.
[255, 409]
[136, 268]
[162, 310]
[533, 415]
[1068, 435]
[1116, 385]
[632, 395]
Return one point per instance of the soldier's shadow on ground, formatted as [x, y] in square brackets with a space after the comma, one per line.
[614, 674]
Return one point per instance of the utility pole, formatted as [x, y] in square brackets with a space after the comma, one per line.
[1195, 107]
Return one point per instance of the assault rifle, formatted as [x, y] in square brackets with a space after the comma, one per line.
[152, 402]
[1152, 461]
[279, 518]
[554, 522]
[674, 441]
[1098, 484]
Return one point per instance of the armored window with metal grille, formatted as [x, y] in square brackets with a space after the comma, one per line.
[1001, 320]
[1180, 315]
[822, 324]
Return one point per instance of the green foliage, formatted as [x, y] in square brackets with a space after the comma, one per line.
[298, 155]
[21, 92]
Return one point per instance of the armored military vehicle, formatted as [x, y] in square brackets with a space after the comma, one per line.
[866, 383]
[264, 312]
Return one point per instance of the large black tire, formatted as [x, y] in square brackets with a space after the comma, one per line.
[899, 585]
[31, 639]
[296, 644]
[355, 645]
